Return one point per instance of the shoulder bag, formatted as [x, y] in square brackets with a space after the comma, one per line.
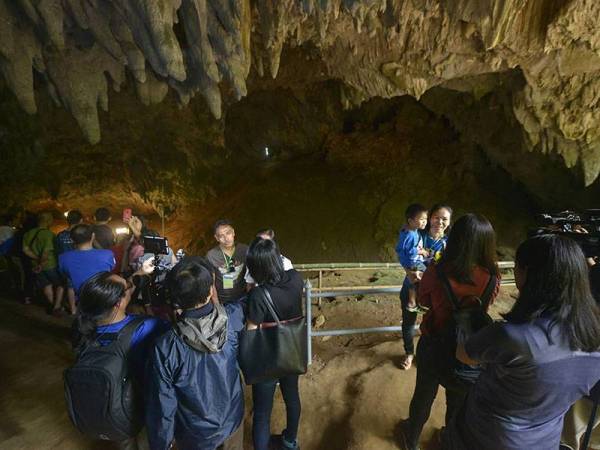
[273, 350]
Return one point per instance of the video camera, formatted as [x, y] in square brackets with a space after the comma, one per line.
[583, 227]
[159, 248]
[153, 288]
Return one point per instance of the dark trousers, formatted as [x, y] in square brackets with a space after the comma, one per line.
[408, 322]
[433, 370]
[262, 397]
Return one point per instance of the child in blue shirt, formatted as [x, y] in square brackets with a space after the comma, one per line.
[410, 251]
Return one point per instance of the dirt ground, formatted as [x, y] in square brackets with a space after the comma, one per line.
[352, 397]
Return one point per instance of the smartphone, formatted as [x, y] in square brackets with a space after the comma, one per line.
[126, 215]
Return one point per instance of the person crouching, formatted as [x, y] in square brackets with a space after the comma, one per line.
[194, 391]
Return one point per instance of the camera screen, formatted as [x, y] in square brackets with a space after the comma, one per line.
[156, 244]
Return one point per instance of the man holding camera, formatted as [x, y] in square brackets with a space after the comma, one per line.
[229, 261]
[193, 390]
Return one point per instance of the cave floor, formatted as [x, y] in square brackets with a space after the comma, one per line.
[352, 397]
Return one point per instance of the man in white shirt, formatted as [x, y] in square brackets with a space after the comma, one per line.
[267, 233]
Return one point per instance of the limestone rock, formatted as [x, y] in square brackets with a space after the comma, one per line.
[319, 321]
[380, 48]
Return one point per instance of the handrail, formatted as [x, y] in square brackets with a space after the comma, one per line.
[344, 292]
[306, 267]
[308, 295]
[330, 267]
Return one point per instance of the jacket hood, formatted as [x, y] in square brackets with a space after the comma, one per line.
[207, 334]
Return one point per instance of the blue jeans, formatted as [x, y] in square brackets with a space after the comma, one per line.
[262, 397]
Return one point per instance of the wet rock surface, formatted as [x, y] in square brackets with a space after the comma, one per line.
[78, 51]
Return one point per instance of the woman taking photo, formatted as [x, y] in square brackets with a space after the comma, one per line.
[285, 288]
[468, 263]
[540, 361]
[434, 241]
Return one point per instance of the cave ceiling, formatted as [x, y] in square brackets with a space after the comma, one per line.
[75, 51]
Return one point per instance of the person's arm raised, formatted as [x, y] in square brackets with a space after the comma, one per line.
[135, 224]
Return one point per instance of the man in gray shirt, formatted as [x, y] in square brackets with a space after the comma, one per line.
[229, 260]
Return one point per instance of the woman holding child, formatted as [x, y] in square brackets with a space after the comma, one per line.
[434, 242]
[469, 264]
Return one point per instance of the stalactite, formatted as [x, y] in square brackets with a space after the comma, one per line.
[376, 47]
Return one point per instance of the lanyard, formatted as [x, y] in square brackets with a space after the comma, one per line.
[229, 261]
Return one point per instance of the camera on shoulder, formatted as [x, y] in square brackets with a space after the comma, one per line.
[581, 226]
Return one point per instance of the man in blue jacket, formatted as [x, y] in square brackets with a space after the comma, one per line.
[193, 391]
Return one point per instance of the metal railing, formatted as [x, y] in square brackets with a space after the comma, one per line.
[309, 294]
[341, 291]
[320, 268]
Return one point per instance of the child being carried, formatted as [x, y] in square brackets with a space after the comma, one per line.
[410, 251]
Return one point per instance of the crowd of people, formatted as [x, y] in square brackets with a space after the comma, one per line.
[509, 385]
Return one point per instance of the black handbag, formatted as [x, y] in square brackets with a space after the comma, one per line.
[274, 351]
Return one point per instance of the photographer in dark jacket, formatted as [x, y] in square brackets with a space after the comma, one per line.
[194, 393]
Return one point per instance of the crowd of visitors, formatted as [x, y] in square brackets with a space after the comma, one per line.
[509, 385]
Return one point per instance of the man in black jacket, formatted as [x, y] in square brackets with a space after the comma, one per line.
[193, 392]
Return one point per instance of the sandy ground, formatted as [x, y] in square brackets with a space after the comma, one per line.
[352, 397]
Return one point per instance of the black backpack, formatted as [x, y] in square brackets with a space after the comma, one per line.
[469, 315]
[103, 399]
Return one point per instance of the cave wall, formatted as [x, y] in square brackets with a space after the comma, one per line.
[345, 200]
[334, 188]
[77, 51]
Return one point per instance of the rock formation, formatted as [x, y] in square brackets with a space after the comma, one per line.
[78, 49]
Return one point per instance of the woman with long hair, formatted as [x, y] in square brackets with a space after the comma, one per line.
[285, 288]
[434, 241]
[540, 361]
[469, 263]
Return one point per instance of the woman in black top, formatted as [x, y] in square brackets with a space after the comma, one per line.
[285, 287]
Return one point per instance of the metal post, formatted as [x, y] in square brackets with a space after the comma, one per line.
[320, 286]
[308, 294]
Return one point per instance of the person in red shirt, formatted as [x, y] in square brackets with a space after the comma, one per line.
[468, 262]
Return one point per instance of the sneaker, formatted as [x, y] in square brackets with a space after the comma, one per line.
[278, 442]
[287, 445]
